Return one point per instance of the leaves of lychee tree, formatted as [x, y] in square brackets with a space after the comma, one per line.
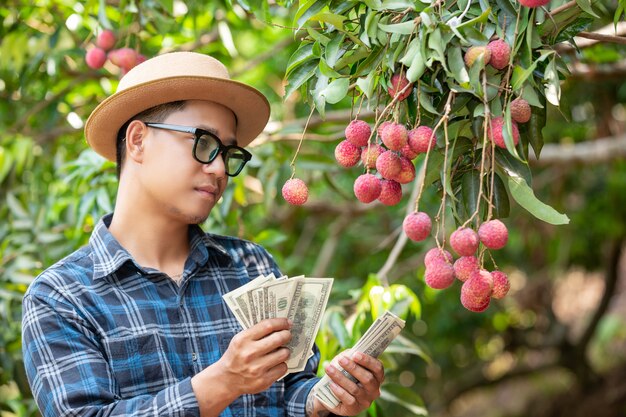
[525, 197]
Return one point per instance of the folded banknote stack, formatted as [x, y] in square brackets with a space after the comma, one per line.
[299, 299]
[373, 342]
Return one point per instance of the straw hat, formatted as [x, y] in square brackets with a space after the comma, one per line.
[172, 77]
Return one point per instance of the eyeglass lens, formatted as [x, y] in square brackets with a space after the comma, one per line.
[207, 148]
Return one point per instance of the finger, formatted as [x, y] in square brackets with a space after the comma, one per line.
[370, 363]
[272, 342]
[347, 399]
[268, 326]
[346, 382]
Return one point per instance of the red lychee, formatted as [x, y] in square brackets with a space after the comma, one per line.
[478, 286]
[369, 155]
[358, 132]
[496, 132]
[397, 87]
[476, 51]
[408, 152]
[500, 53]
[295, 192]
[407, 171]
[520, 110]
[367, 188]
[534, 3]
[439, 275]
[388, 164]
[437, 254]
[501, 284]
[346, 154]
[95, 58]
[477, 305]
[465, 266]
[464, 241]
[382, 127]
[390, 193]
[493, 234]
[105, 40]
[421, 139]
[394, 136]
[125, 58]
[417, 226]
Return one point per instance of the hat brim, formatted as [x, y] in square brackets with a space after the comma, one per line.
[251, 108]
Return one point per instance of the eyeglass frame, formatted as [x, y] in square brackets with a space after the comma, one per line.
[198, 133]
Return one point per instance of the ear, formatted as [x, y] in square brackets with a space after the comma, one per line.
[135, 136]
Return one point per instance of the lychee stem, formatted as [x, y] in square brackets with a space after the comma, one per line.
[293, 161]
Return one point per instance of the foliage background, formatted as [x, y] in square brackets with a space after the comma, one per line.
[554, 347]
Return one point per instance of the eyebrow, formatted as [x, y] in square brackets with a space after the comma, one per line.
[229, 141]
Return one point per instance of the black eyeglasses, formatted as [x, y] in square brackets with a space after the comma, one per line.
[207, 146]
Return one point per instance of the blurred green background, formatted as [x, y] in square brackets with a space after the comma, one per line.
[555, 346]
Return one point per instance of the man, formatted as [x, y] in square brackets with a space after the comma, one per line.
[134, 323]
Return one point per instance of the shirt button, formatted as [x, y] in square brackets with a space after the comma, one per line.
[194, 357]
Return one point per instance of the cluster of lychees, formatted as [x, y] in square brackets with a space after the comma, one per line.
[479, 285]
[497, 54]
[125, 58]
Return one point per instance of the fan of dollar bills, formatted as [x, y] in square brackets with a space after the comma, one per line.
[299, 299]
[373, 342]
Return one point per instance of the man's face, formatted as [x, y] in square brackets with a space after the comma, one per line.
[177, 186]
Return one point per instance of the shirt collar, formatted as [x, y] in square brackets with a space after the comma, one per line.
[108, 255]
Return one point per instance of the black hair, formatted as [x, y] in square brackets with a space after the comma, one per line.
[156, 114]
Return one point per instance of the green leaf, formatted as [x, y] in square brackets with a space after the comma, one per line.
[306, 11]
[301, 55]
[535, 126]
[370, 63]
[330, 18]
[336, 90]
[299, 76]
[513, 166]
[502, 207]
[366, 84]
[412, 49]
[102, 15]
[525, 197]
[332, 49]
[553, 84]
[507, 133]
[457, 66]
[585, 5]
[404, 397]
[417, 67]
[470, 186]
[404, 28]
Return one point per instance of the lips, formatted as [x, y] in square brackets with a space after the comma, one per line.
[207, 190]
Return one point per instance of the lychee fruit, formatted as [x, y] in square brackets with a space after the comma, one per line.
[407, 171]
[390, 193]
[464, 241]
[105, 40]
[125, 58]
[493, 234]
[500, 53]
[465, 266]
[408, 152]
[417, 226]
[496, 132]
[478, 286]
[520, 110]
[346, 154]
[295, 192]
[501, 284]
[439, 275]
[477, 305]
[382, 127]
[422, 139]
[95, 58]
[394, 136]
[367, 188]
[397, 87]
[534, 3]
[437, 254]
[474, 52]
[369, 155]
[388, 164]
[358, 132]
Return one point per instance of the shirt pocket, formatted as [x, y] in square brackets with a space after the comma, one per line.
[140, 364]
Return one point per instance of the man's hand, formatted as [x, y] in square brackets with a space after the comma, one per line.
[354, 396]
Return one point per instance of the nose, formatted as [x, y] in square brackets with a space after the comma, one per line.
[216, 167]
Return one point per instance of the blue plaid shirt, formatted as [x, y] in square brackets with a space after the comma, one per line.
[103, 335]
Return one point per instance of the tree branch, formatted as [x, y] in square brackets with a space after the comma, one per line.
[588, 153]
[603, 38]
